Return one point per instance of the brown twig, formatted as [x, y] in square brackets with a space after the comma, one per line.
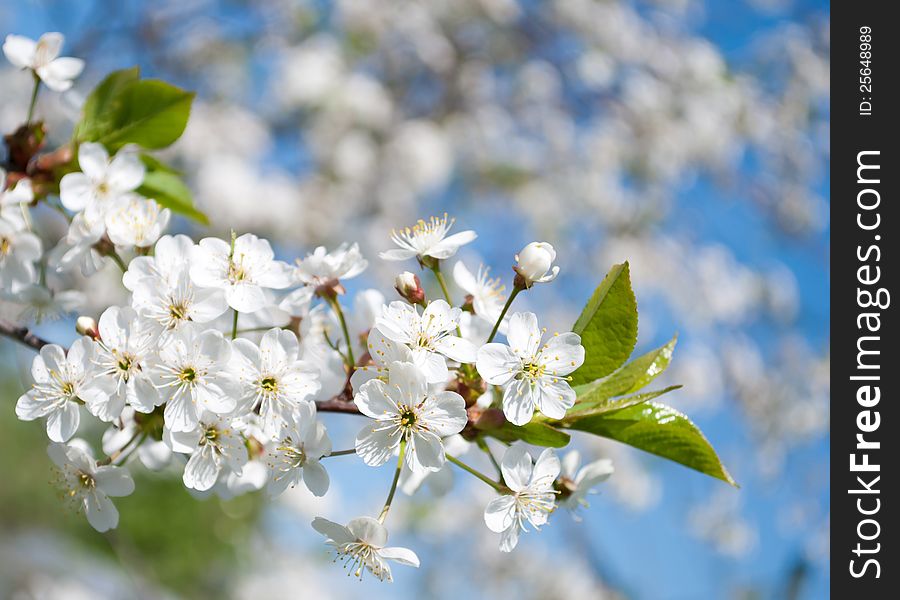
[22, 335]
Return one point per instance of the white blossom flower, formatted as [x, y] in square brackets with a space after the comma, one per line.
[361, 546]
[427, 239]
[296, 451]
[193, 375]
[102, 183]
[322, 267]
[275, 381]
[41, 304]
[214, 445]
[77, 249]
[535, 263]
[173, 300]
[171, 256]
[486, 293]
[532, 499]
[19, 250]
[243, 272]
[59, 387]
[533, 375]
[575, 484]
[15, 200]
[405, 409]
[90, 485]
[43, 58]
[136, 221]
[124, 355]
[431, 336]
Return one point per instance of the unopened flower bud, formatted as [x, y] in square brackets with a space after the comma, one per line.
[535, 264]
[408, 285]
[87, 326]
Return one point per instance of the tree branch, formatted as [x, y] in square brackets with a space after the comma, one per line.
[342, 403]
[23, 335]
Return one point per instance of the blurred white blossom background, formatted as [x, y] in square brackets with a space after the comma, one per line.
[688, 137]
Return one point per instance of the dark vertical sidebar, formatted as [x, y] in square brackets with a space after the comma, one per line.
[865, 420]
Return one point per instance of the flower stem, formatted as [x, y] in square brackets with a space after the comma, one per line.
[476, 473]
[118, 260]
[351, 362]
[341, 453]
[34, 95]
[234, 328]
[390, 498]
[436, 269]
[509, 301]
[115, 455]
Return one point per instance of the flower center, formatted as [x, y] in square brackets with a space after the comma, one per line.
[68, 389]
[187, 375]
[269, 385]
[423, 340]
[5, 246]
[236, 272]
[178, 311]
[408, 417]
[533, 370]
[86, 480]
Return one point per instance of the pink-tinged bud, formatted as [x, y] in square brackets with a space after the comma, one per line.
[409, 287]
[535, 264]
[87, 326]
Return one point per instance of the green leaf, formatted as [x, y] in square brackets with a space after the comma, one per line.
[154, 164]
[633, 376]
[535, 432]
[660, 430]
[599, 404]
[125, 110]
[607, 326]
[100, 107]
[169, 191]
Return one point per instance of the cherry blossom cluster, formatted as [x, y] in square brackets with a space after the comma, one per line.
[224, 356]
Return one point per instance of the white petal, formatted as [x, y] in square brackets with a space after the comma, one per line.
[397, 254]
[126, 171]
[375, 444]
[519, 399]
[333, 531]
[93, 160]
[114, 481]
[516, 467]
[245, 297]
[497, 363]
[404, 556]
[546, 469]
[448, 246]
[101, 512]
[374, 401]
[524, 335]
[63, 422]
[445, 413]
[499, 515]
[456, 348]
[201, 470]
[563, 353]
[369, 531]
[19, 50]
[316, 477]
